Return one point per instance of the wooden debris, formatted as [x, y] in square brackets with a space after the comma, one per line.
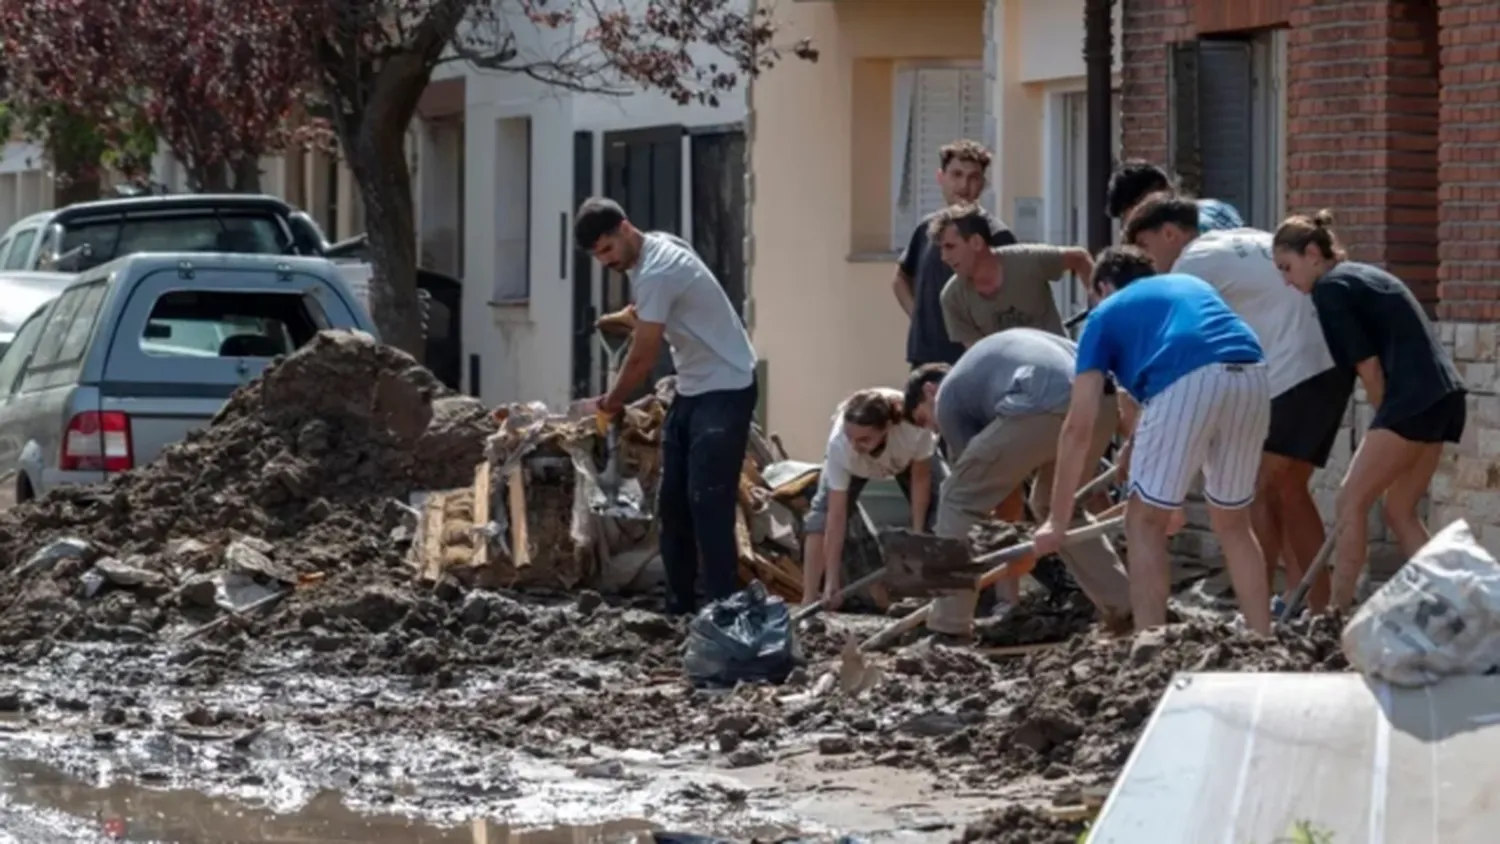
[520, 537]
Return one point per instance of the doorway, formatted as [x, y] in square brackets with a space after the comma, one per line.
[1073, 134]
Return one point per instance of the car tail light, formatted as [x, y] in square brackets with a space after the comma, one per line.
[97, 441]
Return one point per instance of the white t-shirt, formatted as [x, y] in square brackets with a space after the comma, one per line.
[905, 444]
[710, 349]
[1238, 263]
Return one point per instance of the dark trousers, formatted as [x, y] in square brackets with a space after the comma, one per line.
[703, 449]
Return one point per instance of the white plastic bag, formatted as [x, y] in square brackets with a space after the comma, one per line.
[1439, 616]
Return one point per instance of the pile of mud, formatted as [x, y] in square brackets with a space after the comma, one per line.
[1087, 701]
[309, 466]
[1020, 825]
[1038, 619]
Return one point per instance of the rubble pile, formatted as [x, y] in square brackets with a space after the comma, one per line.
[1021, 825]
[300, 479]
[1087, 701]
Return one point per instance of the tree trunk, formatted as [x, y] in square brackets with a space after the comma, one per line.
[247, 176]
[378, 162]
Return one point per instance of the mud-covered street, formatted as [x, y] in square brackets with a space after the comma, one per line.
[367, 705]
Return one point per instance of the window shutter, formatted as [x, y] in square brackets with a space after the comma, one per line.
[947, 104]
[1226, 123]
[1182, 118]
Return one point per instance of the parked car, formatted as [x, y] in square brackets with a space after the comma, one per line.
[21, 293]
[136, 353]
[87, 234]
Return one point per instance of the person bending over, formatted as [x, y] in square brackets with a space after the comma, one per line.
[871, 440]
[1200, 377]
[1376, 328]
[1309, 395]
[1000, 408]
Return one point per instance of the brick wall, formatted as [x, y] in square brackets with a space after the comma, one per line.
[1468, 481]
[1148, 27]
[1362, 128]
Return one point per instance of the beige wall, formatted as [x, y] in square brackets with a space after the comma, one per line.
[825, 319]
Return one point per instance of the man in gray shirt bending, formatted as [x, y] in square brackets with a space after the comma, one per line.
[1000, 408]
[707, 428]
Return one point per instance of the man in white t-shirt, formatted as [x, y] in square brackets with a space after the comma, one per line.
[871, 440]
[707, 429]
[1309, 394]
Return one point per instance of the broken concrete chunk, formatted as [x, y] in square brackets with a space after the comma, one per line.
[127, 574]
[248, 556]
[187, 548]
[53, 553]
[236, 591]
[199, 590]
[1147, 644]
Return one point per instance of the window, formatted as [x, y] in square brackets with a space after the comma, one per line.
[20, 250]
[65, 338]
[1228, 122]
[934, 106]
[15, 354]
[513, 210]
[195, 323]
[203, 231]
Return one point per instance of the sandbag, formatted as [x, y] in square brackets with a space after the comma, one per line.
[746, 637]
[1439, 616]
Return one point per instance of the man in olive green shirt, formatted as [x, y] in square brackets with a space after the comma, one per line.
[994, 289]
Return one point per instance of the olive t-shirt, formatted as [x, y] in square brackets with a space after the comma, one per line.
[927, 339]
[1024, 299]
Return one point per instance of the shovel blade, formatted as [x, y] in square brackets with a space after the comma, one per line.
[921, 565]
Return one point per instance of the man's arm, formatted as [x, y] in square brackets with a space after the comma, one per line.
[645, 349]
[1073, 446]
[904, 285]
[1078, 262]
[959, 322]
[921, 493]
[905, 291]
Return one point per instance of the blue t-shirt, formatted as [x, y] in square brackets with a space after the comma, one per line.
[1217, 215]
[1159, 329]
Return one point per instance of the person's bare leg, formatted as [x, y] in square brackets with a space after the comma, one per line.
[1381, 458]
[1265, 512]
[812, 568]
[1403, 497]
[1150, 562]
[1013, 510]
[1302, 533]
[1246, 564]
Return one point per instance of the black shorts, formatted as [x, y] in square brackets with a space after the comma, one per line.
[1442, 421]
[1305, 420]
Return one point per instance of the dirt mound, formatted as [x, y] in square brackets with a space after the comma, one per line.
[1088, 700]
[1037, 619]
[309, 466]
[1020, 825]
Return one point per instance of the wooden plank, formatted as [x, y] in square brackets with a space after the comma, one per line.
[520, 538]
[481, 489]
[1243, 757]
[432, 536]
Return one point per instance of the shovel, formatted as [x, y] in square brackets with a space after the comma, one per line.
[608, 479]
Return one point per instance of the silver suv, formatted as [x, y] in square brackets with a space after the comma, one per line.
[136, 353]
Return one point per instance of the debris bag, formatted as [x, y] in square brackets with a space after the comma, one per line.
[747, 637]
[1439, 616]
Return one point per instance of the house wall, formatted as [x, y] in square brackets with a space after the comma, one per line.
[825, 319]
[1391, 125]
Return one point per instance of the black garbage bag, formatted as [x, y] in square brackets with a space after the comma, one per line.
[747, 637]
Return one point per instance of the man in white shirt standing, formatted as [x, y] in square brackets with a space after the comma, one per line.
[707, 428]
[1309, 394]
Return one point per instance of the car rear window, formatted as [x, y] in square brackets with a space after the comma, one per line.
[194, 323]
[112, 237]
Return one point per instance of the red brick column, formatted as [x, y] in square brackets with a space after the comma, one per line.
[1362, 130]
[1149, 26]
[1469, 155]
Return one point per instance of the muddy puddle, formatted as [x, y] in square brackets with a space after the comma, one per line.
[98, 738]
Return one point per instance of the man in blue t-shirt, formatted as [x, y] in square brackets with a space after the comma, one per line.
[1199, 375]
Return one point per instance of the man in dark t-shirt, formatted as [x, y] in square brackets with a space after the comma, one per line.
[964, 168]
